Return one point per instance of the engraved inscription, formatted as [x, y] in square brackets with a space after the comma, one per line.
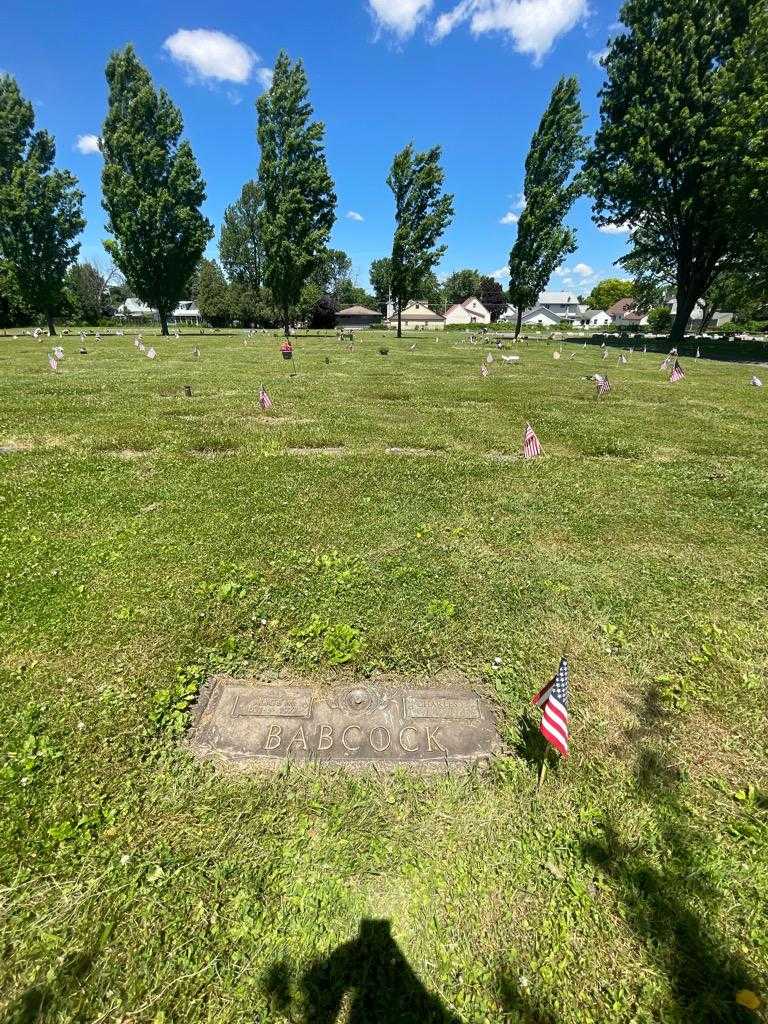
[272, 703]
[246, 721]
[456, 710]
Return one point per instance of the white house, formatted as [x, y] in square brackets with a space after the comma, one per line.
[541, 315]
[186, 312]
[135, 309]
[594, 318]
[509, 314]
[416, 316]
[564, 304]
[477, 312]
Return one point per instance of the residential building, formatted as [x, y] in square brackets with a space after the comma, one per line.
[186, 312]
[357, 318]
[472, 311]
[416, 316]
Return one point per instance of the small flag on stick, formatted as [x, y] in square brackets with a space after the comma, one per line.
[553, 701]
[483, 370]
[531, 445]
[677, 373]
[264, 400]
[53, 362]
[756, 382]
[603, 384]
[151, 353]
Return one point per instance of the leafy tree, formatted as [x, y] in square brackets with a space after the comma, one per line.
[87, 287]
[152, 188]
[299, 200]
[660, 318]
[213, 298]
[422, 214]
[607, 292]
[240, 245]
[13, 313]
[492, 297]
[323, 314]
[40, 209]
[460, 285]
[550, 188]
[349, 294]
[685, 87]
[333, 272]
[380, 274]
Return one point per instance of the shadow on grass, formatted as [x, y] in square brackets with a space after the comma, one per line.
[666, 903]
[38, 1001]
[365, 981]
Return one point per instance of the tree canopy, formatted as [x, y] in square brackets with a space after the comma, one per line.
[550, 188]
[152, 187]
[240, 245]
[460, 285]
[680, 153]
[422, 213]
[299, 201]
[40, 210]
[607, 292]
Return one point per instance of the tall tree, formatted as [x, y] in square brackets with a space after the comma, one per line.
[380, 274]
[213, 297]
[677, 154]
[40, 209]
[551, 186]
[87, 288]
[240, 247]
[152, 187]
[460, 285]
[607, 292]
[299, 200]
[333, 272]
[492, 297]
[422, 213]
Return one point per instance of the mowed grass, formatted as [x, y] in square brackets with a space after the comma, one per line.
[148, 539]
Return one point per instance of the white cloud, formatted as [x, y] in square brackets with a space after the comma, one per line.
[598, 56]
[532, 25]
[583, 270]
[520, 201]
[87, 144]
[354, 215]
[212, 55]
[265, 76]
[399, 16]
[502, 274]
[616, 229]
[509, 218]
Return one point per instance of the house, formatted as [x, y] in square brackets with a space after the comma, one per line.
[717, 319]
[624, 313]
[565, 305]
[509, 314]
[135, 309]
[472, 311]
[416, 316]
[356, 318]
[541, 315]
[186, 312]
[594, 318]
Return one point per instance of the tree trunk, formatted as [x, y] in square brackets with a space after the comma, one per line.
[399, 318]
[686, 301]
[287, 323]
[51, 325]
[163, 322]
[519, 321]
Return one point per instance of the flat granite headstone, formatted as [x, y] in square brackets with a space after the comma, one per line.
[252, 723]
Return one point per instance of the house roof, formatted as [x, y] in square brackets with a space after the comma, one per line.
[540, 309]
[473, 298]
[589, 313]
[456, 305]
[417, 314]
[621, 307]
[558, 299]
[357, 311]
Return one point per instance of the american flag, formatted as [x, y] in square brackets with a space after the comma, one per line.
[264, 400]
[756, 382]
[665, 364]
[531, 445]
[622, 359]
[483, 370]
[489, 358]
[53, 362]
[603, 384]
[677, 373]
[553, 701]
[151, 353]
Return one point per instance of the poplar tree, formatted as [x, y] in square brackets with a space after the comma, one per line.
[422, 213]
[40, 209]
[551, 186]
[240, 247]
[681, 149]
[152, 188]
[299, 202]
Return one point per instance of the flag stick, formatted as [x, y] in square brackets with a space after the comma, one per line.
[542, 770]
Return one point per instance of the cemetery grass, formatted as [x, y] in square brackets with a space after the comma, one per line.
[148, 539]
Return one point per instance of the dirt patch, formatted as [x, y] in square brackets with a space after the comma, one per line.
[214, 452]
[129, 454]
[12, 447]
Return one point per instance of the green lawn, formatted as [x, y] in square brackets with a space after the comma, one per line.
[148, 539]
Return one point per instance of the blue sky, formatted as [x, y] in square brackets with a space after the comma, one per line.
[471, 75]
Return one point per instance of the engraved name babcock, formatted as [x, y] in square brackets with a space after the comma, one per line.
[249, 722]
